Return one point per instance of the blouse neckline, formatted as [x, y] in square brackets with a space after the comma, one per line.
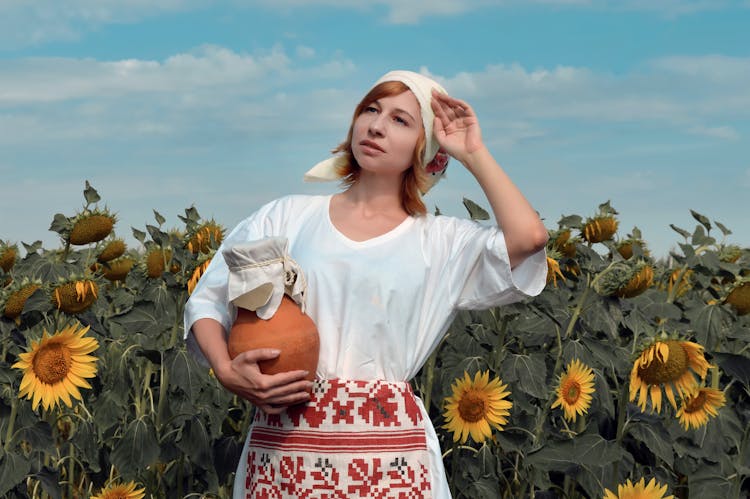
[373, 241]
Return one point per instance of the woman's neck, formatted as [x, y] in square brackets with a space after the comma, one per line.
[373, 193]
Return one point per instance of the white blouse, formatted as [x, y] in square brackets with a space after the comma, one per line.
[381, 305]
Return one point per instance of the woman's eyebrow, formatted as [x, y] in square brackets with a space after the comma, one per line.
[397, 110]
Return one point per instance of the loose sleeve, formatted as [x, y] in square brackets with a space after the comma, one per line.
[479, 271]
[209, 299]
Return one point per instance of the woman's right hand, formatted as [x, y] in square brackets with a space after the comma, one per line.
[272, 393]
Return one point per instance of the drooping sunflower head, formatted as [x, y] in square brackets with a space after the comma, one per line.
[117, 269]
[638, 490]
[8, 255]
[476, 407]
[669, 364]
[113, 249]
[91, 226]
[205, 237]
[641, 279]
[55, 367]
[699, 406]
[157, 260]
[632, 246]
[574, 390]
[75, 295]
[17, 295]
[730, 253]
[616, 276]
[739, 298]
[553, 267]
[599, 228]
[120, 491]
[200, 269]
[561, 241]
[681, 279]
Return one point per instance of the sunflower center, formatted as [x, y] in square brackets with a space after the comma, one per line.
[472, 407]
[571, 391]
[696, 403]
[52, 363]
[658, 372]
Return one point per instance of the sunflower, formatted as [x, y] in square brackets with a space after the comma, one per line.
[8, 254]
[667, 364]
[684, 284]
[117, 269]
[197, 274]
[575, 389]
[699, 406]
[17, 298]
[91, 227]
[56, 366]
[156, 261]
[641, 280]
[626, 248]
[120, 491]
[739, 298]
[75, 296]
[730, 254]
[205, 237]
[114, 249]
[553, 270]
[476, 406]
[600, 228]
[638, 490]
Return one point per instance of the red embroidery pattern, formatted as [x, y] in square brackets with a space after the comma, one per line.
[353, 439]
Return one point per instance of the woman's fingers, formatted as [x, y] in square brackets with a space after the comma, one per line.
[269, 390]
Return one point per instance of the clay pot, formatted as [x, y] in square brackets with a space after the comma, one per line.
[289, 330]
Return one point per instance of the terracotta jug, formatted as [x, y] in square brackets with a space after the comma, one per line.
[289, 330]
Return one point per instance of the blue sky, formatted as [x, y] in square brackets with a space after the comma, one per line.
[224, 105]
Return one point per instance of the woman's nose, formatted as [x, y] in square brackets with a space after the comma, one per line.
[376, 126]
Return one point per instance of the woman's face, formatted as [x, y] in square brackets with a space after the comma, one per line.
[385, 134]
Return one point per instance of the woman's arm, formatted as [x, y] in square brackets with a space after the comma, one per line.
[242, 376]
[458, 133]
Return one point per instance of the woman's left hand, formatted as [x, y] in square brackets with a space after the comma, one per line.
[456, 126]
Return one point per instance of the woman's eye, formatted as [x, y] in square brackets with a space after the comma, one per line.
[400, 120]
[371, 109]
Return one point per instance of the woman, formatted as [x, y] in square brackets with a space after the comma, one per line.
[384, 282]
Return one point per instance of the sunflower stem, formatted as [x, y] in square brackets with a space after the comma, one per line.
[430, 378]
[71, 470]
[66, 251]
[715, 374]
[163, 385]
[738, 479]
[579, 308]
[622, 408]
[11, 422]
[547, 406]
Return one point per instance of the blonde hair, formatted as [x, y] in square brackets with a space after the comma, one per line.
[414, 180]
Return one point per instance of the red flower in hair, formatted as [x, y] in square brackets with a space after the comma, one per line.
[439, 163]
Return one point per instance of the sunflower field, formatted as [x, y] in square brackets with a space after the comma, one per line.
[627, 377]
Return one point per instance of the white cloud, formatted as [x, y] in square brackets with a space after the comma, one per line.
[304, 52]
[718, 132]
[260, 92]
[24, 23]
[28, 23]
[658, 92]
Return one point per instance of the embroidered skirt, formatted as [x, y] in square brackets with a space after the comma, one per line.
[352, 439]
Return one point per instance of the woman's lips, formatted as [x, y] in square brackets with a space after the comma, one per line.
[368, 144]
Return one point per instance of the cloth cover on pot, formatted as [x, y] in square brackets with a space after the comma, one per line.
[260, 273]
